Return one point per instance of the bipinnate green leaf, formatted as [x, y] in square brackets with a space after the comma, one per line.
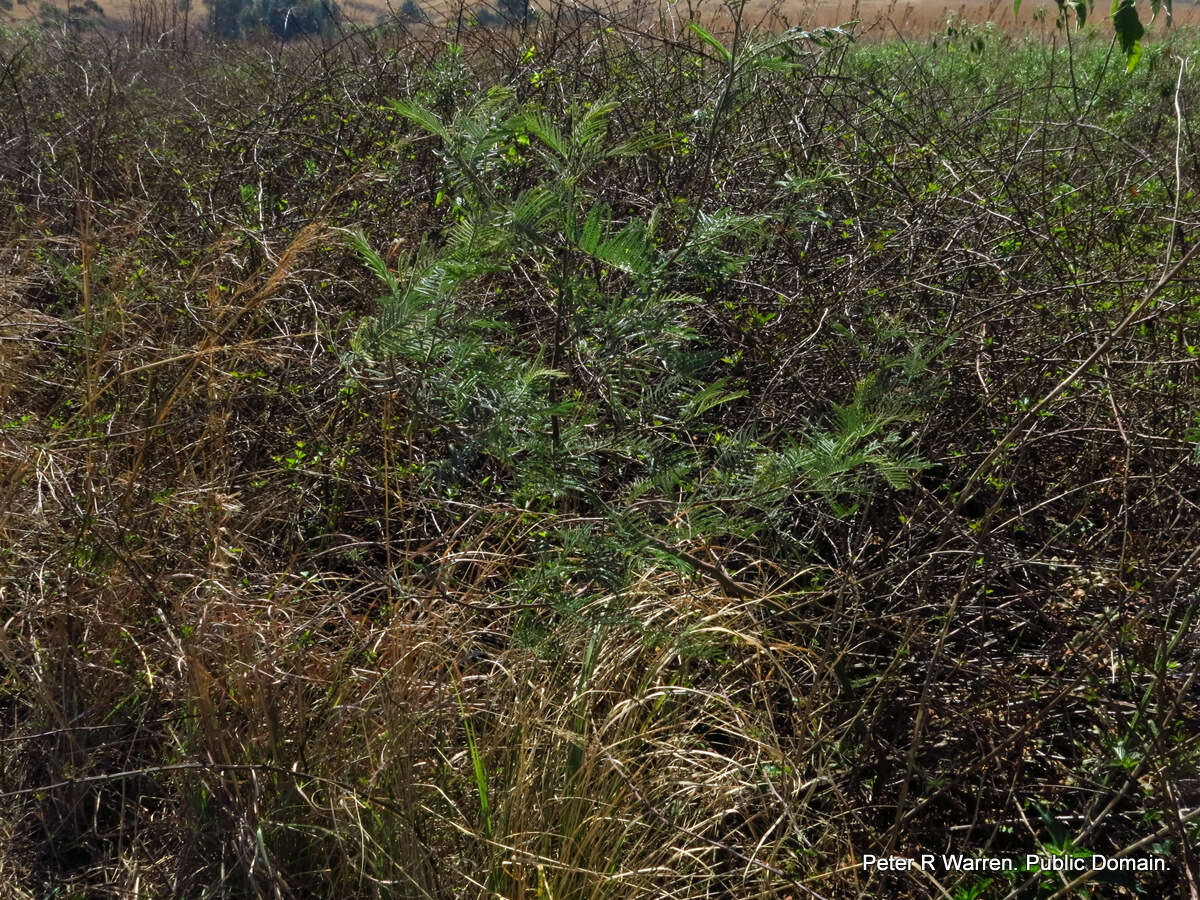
[422, 117]
[372, 259]
[592, 128]
[541, 127]
[701, 32]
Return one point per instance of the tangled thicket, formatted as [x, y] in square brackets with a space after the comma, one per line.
[577, 463]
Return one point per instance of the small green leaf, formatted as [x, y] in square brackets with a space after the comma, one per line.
[1058, 832]
[1129, 31]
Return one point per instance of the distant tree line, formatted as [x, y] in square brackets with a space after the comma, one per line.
[234, 19]
[492, 14]
[506, 12]
[282, 18]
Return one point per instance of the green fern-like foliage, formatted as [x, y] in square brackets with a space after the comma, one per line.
[548, 348]
[843, 463]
